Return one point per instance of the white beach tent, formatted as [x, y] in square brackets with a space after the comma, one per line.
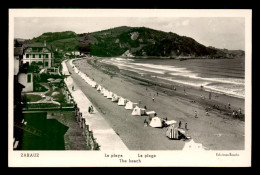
[103, 90]
[93, 84]
[130, 105]
[115, 98]
[138, 111]
[192, 146]
[121, 101]
[106, 93]
[151, 113]
[99, 88]
[110, 95]
[156, 122]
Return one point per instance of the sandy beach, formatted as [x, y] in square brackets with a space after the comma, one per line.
[218, 131]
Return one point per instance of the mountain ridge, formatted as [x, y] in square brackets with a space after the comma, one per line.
[138, 41]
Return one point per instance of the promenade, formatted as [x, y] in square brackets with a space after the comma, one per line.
[103, 133]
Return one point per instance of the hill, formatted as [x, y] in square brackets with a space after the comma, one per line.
[136, 41]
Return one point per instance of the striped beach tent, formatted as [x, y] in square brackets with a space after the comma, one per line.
[172, 132]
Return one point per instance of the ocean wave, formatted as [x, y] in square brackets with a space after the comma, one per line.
[228, 89]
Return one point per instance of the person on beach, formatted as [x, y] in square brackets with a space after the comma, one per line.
[196, 114]
[72, 88]
[180, 124]
[233, 113]
[92, 109]
[229, 106]
[157, 93]
[236, 114]
[145, 122]
[89, 109]
[186, 126]
[207, 113]
[153, 99]
[239, 110]
[146, 88]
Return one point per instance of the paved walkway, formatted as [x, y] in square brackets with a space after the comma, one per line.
[104, 134]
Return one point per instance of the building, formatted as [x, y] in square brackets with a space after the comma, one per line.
[26, 78]
[21, 73]
[39, 53]
[18, 87]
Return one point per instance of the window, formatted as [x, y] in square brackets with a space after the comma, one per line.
[40, 55]
[46, 64]
[29, 77]
[47, 56]
[27, 55]
[33, 55]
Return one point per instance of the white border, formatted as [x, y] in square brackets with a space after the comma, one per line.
[163, 158]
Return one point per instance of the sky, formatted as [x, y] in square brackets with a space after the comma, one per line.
[219, 32]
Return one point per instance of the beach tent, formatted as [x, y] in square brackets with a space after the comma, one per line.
[191, 145]
[115, 98]
[93, 84]
[110, 95]
[170, 122]
[156, 122]
[138, 111]
[130, 105]
[172, 132]
[99, 88]
[121, 101]
[151, 113]
[103, 90]
[106, 93]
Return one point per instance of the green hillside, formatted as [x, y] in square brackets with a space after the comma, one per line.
[140, 41]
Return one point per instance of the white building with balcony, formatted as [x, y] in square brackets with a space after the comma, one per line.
[38, 52]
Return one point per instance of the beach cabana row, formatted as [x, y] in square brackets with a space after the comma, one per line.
[137, 111]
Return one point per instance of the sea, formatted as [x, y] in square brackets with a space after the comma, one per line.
[225, 76]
